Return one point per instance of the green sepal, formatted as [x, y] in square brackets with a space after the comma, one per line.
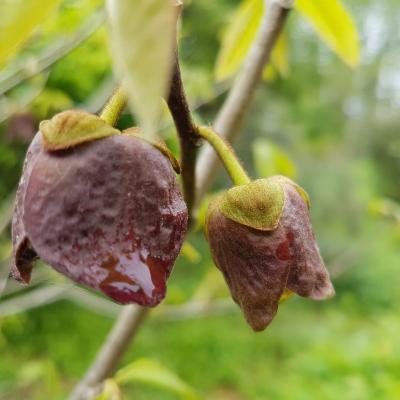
[258, 204]
[158, 143]
[285, 180]
[71, 128]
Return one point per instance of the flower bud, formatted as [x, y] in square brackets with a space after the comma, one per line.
[261, 239]
[108, 213]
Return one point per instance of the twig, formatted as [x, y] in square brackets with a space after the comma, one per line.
[115, 345]
[227, 124]
[229, 120]
[187, 132]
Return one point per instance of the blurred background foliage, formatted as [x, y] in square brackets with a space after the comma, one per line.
[331, 127]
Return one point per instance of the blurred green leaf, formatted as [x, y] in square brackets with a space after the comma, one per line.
[190, 252]
[279, 59]
[202, 210]
[269, 73]
[335, 26]
[152, 373]
[237, 38]
[110, 391]
[385, 207]
[19, 19]
[270, 159]
[142, 40]
[279, 55]
[212, 285]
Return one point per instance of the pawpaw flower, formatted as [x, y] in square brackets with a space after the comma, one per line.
[101, 207]
[262, 240]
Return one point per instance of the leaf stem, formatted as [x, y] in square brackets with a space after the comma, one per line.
[114, 107]
[226, 154]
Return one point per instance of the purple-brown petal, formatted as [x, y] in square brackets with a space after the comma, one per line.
[308, 276]
[108, 214]
[258, 265]
[23, 253]
[255, 265]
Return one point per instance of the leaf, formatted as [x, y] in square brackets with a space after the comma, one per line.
[190, 253]
[202, 210]
[110, 391]
[152, 373]
[279, 55]
[258, 204]
[73, 127]
[143, 42]
[19, 19]
[238, 37]
[269, 73]
[270, 159]
[334, 25]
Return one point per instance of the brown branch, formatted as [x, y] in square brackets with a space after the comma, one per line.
[227, 124]
[187, 132]
[115, 345]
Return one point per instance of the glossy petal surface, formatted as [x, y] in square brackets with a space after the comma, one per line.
[108, 214]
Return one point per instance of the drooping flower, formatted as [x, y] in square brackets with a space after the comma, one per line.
[262, 240]
[107, 212]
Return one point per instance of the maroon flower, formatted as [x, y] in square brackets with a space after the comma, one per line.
[108, 214]
[261, 239]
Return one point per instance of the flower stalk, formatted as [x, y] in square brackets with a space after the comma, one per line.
[114, 107]
[226, 154]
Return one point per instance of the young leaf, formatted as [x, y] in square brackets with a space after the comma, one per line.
[237, 38]
[152, 373]
[19, 18]
[110, 391]
[279, 59]
[334, 25]
[143, 41]
[279, 55]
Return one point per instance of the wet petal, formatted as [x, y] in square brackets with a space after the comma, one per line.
[108, 214]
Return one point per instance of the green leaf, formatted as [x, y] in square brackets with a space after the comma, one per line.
[110, 391]
[143, 42]
[279, 55]
[238, 37]
[73, 127]
[19, 19]
[334, 24]
[279, 59]
[258, 204]
[190, 253]
[270, 159]
[269, 73]
[152, 373]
